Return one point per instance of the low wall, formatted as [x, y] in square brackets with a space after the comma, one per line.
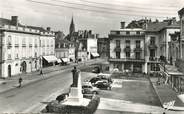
[180, 65]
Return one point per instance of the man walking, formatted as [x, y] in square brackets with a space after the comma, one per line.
[20, 82]
[41, 72]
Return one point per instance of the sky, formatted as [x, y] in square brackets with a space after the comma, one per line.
[100, 16]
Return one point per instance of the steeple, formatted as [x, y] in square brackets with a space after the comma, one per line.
[72, 27]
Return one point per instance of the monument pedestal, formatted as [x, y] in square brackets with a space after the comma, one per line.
[75, 96]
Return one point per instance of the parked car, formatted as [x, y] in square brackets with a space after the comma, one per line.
[94, 80]
[96, 69]
[103, 76]
[89, 89]
[103, 84]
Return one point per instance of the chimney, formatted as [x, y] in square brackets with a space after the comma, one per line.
[172, 21]
[14, 20]
[48, 29]
[122, 25]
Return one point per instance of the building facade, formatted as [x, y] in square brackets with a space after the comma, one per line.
[158, 42]
[21, 50]
[103, 47]
[181, 16]
[127, 50]
[88, 42]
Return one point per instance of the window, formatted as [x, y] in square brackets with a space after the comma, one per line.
[36, 44]
[138, 32]
[154, 67]
[152, 52]
[9, 41]
[137, 55]
[127, 54]
[127, 66]
[127, 32]
[35, 54]
[118, 55]
[117, 43]
[17, 56]
[9, 56]
[138, 43]
[17, 42]
[127, 43]
[23, 42]
[152, 40]
[117, 32]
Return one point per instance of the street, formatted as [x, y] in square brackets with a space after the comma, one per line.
[24, 99]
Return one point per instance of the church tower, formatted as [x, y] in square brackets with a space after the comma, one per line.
[72, 27]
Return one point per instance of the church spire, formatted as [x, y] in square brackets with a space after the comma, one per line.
[72, 27]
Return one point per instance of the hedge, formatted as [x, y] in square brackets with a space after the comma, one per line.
[62, 97]
[56, 107]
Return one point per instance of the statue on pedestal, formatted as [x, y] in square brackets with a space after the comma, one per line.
[75, 74]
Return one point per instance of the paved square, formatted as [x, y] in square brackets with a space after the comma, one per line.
[130, 96]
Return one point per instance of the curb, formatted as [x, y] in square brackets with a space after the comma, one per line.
[161, 104]
[174, 108]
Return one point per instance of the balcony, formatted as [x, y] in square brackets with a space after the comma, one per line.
[23, 45]
[36, 45]
[152, 46]
[16, 45]
[127, 49]
[30, 45]
[138, 49]
[117, 49]
[126, 60]
[154, 59]
[9, 45]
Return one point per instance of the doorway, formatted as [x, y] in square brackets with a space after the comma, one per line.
[9, 70]
[23, 67]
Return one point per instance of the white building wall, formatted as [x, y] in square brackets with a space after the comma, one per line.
[24, 53]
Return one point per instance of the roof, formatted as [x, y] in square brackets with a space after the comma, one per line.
[38, 28]
[5, 21]
[129, 29]
[158, 26]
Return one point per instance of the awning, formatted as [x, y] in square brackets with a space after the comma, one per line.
[50, 58]
[65, 60]
[59, 60]
[95, 54]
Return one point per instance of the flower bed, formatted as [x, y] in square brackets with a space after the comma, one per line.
[57, 107]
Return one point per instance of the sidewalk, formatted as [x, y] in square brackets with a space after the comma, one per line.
[28, 78]
[167, 95]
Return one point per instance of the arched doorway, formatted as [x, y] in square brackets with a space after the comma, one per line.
[9, 70]
[23, 66]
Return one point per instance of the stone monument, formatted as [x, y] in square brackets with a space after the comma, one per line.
[75, 96]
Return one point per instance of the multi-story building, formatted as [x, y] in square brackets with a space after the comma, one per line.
[103, 47]
[88, 41]
[181, 16]
[64, 49]
[127, 49]
[20, 47]
[157, 41]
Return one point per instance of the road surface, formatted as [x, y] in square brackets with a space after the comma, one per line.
[23, 99]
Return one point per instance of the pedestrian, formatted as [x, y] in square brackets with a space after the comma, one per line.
[41, 72]
[20, 82]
